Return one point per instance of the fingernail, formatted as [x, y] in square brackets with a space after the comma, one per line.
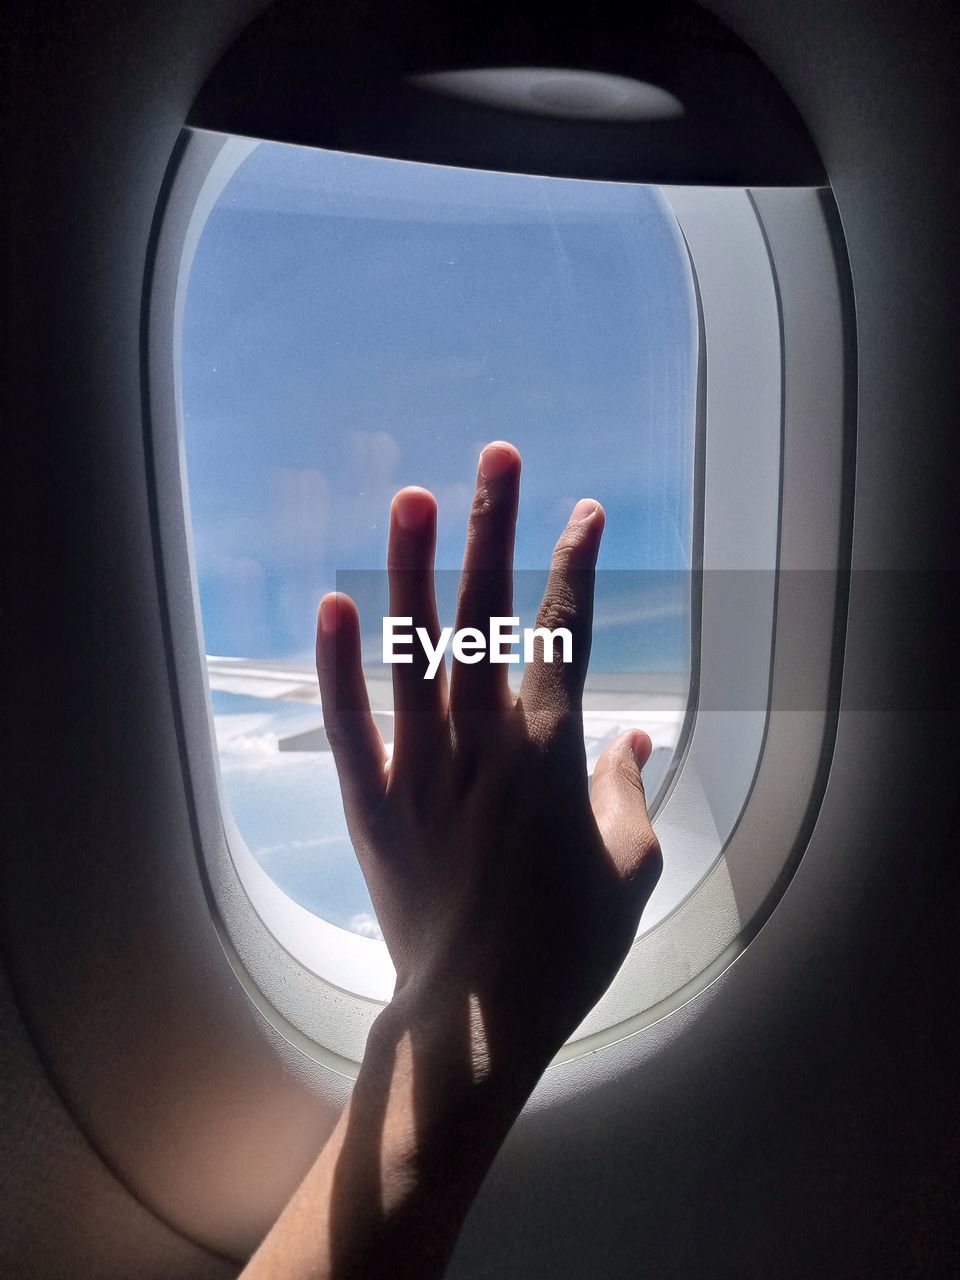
[495, 460]
[411, 509]
[584, 509]
[328, 615]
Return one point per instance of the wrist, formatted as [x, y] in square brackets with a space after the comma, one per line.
[458, 1046]
[448, 1095]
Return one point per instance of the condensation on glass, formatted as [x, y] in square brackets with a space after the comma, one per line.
[354, 325]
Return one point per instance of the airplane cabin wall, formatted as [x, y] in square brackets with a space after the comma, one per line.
[801, 1128]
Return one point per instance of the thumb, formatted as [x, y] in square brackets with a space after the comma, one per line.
[620, 808]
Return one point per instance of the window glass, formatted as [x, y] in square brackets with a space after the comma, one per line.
[353, 325]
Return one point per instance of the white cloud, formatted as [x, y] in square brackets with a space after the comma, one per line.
[303, 508]
[287, 846]
[454, 501]
[258, 752]
[640, 614]
[364, 923]
[376, 455]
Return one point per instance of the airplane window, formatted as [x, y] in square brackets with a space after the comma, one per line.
[355, 324]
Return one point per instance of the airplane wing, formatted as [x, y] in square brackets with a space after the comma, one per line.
[611, 703]
[263, 678]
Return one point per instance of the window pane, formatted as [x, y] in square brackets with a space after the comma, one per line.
[353, 325]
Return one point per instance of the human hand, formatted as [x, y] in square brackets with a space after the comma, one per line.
[508, 891]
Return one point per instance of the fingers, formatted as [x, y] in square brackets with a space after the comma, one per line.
[553, 687]
[419, 697]
[486, 583]
[620, 808]
[354, 738]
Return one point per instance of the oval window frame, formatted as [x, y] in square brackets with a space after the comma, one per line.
[771, 277]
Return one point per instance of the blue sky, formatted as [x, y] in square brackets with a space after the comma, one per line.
[353, 325]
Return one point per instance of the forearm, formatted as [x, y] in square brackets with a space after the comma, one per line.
[390, 1190]
[492, 863]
